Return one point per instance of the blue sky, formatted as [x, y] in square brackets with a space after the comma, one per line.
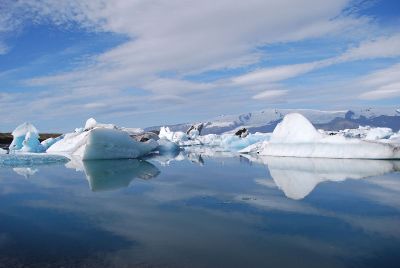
[142, 63]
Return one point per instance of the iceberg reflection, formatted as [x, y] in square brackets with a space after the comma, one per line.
[297, 177]
[106, 175]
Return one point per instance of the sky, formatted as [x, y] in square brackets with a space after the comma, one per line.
[139, 63]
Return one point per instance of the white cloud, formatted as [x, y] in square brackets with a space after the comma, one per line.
[178, 38]
[3, 48]
[275, 74]
[270, 94]
[383, 92]
[190, 37]
[383, 47]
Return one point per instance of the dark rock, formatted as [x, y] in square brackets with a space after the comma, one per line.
[242, 133]
[198, 127]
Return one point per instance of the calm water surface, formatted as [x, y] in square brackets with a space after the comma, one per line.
[201, 210]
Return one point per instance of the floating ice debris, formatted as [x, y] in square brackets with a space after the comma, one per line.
[368, 133]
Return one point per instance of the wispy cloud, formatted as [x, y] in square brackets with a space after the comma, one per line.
[169, 41]
[270, 94]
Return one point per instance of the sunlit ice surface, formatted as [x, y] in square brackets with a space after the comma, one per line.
[200, 208]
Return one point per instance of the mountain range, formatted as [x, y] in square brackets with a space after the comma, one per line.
[265, 120]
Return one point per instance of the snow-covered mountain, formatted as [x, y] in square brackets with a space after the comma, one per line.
[266, 120]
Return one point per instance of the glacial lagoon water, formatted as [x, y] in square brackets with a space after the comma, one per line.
[201, 209]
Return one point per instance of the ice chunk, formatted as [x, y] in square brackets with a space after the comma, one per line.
[295, 136]
[231, 142]
[92, 123]
[254, 148]
[26, 139]
[195, 130]
[295, 128]
[50, 141]
[24, 128]
[368, 133]
[102, 143]
[174, 136]
[31, 143]
[2, 151]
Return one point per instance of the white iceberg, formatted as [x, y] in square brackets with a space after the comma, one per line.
[26, 139]
[101, 141]
[368, 133]
[50, 141]
[295, 136]
[174, 136]
[2, 151]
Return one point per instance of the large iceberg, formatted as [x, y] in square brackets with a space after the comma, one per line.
[295, 136]
[101, 141]
[26, 139]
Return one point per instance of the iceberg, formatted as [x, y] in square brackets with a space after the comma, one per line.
[101, 143]
[295, 136]
[368, 133]
[26, 139]
[50, 141]
[174, 136]
[2, 151]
